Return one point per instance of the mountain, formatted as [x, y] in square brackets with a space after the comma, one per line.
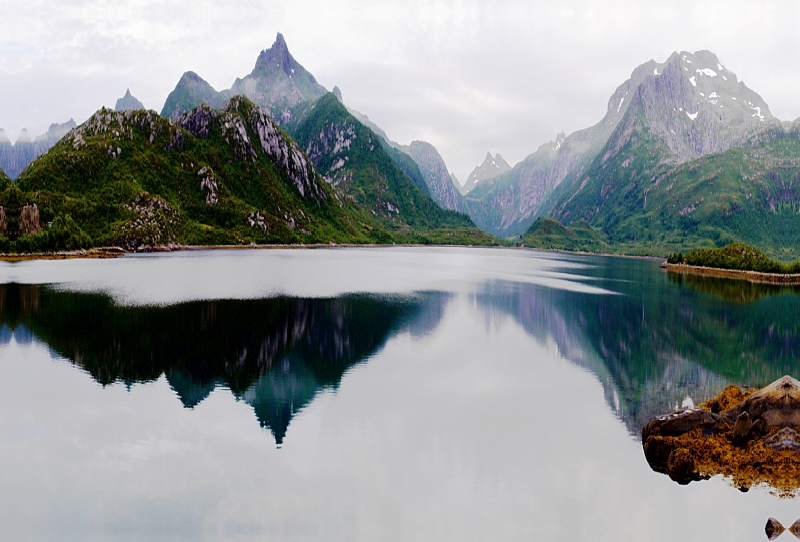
[745, 194]
[354, 159]
[287, 350]
[191, 91]
[15, 158]
[282, 86]
[439, 182]
[229, 176]
[696, 160]
[491, 167]
[128, 103]
[549, 233]
[691, 103]
[278, 84]
[508, 204]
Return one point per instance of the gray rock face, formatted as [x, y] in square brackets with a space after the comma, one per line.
[271, 140]
[491, 167]
[434, 171]
[278, 82]
[695, 106]
[15, 158]
[128, 103]
[691, 102]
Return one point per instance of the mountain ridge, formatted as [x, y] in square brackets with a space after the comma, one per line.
[14, 158]
[694, 105]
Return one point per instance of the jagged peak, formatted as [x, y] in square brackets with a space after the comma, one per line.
[276, 56]
[24, 136]
[338, 93]
[700, 74]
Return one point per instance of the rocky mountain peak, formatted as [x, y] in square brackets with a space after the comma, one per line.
[338, 93]
[24, 136]
[277, 56]
[691, 102]
[128, 103]
[491, 167]
[278, 82]
[4, 137]
[190, 77]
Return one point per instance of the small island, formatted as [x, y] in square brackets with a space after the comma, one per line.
[735, 261]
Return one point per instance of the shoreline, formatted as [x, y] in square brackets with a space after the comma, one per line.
[758, 277]
[116, 252]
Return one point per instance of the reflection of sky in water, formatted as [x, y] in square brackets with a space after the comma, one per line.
[247, 274]
[480, 416]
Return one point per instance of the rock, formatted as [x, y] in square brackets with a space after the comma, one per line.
[774, 528]
[29, 219]
[785, 439]
[777, 404]
[681, 422]
[681, 467]
[794, 529]
[741, 429]
[694, 444]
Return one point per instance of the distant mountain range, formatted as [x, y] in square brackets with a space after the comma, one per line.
[685, 156]
[696, 159]
[15, 157]
[296, 167]
[284, 88]
[491, 167]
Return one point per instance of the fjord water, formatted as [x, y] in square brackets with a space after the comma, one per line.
[370, 394]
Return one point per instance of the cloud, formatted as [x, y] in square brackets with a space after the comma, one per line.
[466, 75]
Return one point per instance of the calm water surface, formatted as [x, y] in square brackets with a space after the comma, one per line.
[370, 394]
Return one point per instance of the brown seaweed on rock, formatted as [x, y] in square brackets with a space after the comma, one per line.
[750, 438]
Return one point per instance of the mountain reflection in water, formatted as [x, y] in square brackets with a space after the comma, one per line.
[274, 354]
[664, 340]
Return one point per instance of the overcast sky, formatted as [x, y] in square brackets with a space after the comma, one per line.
[467, 76]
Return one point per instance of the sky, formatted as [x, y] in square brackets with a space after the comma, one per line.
[468, 76]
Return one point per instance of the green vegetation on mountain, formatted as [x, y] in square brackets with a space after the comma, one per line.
[734, 256]
[227, 176]
[442, 185]
[4, 180]
[139, 181]
[406, 164]
[549, 233]
[190, 92]
[646, 203]
[353, 159]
